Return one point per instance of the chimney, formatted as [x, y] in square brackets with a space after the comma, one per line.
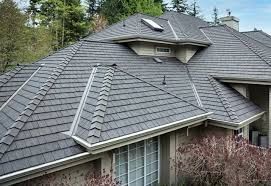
[230, 21]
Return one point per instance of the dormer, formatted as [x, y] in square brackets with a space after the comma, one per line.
[171, 35]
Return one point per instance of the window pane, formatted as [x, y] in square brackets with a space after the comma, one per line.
[132, 165]
[132, 176]
[132, 154]
[140, 182]
[123, 169]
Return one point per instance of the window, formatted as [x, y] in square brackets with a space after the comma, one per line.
[138, 164]
[239, 132]
[153, 25]
[163, 50]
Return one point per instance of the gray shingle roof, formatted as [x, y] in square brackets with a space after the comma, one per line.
[33, 124]
[127, 104]
[173, 30]
[260, 36]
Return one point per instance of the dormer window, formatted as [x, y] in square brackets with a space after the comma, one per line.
[163, 50]
[153, 25]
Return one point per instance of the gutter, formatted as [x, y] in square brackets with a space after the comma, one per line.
[32, 172]
[235, 126]
[135, 37]
[141, 135]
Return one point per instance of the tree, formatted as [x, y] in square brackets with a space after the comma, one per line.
[223, 161]
[12, 23]
[215, 16]
[116, 10]
[65, 18]
[179, 5]
[194, 9]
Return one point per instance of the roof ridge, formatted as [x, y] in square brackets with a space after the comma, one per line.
[201, 108]
[4, 78]
[13, 131]
[223, 98]
[246, 44]
[99, 113]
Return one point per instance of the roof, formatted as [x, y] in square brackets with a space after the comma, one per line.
[173, 32]
[260, 36]
[76, 92]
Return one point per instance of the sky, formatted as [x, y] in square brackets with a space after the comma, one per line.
[252, 13]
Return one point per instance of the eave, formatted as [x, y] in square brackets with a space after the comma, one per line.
[141, 135]
[243, 80]
[235, 126]
[133, 38]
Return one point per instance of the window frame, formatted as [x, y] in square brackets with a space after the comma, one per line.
[145, 162]
[160, 52]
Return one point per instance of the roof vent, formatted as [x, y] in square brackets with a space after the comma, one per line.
[164, 80]
[157, 60]
[153, 25]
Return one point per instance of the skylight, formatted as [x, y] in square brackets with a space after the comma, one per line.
[153, 25]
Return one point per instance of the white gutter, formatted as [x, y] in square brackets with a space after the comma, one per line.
[141, 135]
[15, 93]
[235, 126]
[25, 174]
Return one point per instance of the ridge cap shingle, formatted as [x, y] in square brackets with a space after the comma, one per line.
[226, 104]
[15, 128]
[232, 31]
[4, 78]
[100, 109]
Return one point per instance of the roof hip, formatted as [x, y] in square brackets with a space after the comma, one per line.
[14, 130]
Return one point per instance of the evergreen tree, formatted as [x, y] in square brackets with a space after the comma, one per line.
[116, 10]
[164, 5]
[65, 18]
[215, 16]
[12, 23]
[194, 9]
[179, 5]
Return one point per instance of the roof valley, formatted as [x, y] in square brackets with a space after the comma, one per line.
[13, 131]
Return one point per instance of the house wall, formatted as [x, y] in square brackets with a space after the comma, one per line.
[260, 96]
[184, 54]
[170, 143]
[149, 49]
[76, 175]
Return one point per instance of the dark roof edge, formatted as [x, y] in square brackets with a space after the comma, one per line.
[14, 130]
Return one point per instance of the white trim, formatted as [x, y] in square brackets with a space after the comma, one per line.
[32, 172]
[235, 126]
[82, 103]
[15, 93]
[159, 160]
[174, 33]
[141, 135]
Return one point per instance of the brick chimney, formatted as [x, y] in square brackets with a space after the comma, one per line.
[230, 21]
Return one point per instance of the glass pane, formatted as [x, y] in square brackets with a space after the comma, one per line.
[133, 183]
[123, 169]
[123, 179]
[148, 179]
[154, 176]
[123, 149]
[140, 182]
[117, 159]
[132, 154]
[132, 146]
[123, 158]
[140, 152]
[140, 162]
[132, 176]
[140, 172]
[132, 165]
